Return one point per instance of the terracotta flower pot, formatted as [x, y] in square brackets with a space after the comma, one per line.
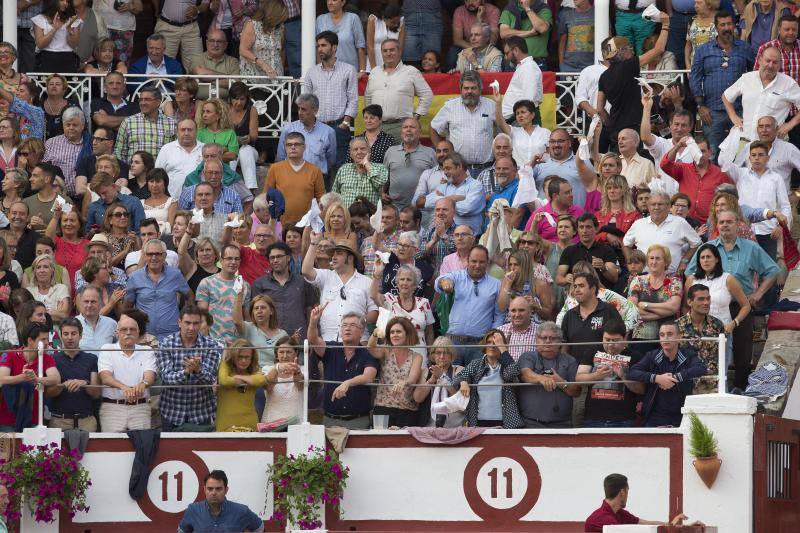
[707, 468]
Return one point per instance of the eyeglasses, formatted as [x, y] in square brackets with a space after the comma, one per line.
[342, 294]
[525, 242]
[549, 338]
[405, 246]
[234, 259]
[276, 257]
[23, 154]
[295, 145]
[100, 139]
[154, 254]
[263, 236]
[120, 214]
[216, 41]
[460, 235]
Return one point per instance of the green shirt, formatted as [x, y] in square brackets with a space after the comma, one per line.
[537, 45]
[351, 184]
[226, 138]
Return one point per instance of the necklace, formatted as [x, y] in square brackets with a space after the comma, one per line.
[51, 110]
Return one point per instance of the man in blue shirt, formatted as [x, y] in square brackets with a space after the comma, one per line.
[560, 161]
[716, 65]
[104, 185]
[474, 309]
[320, 138]
[742, 258]
[466, 193]
[217, 513]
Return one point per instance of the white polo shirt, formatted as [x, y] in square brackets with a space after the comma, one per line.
[357, 299]
[775, 100]
[127, 370]
[178, 163]
[766, 191]
[674, 233]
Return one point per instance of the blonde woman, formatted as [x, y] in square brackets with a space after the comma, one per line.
[54, 296]
[263, 332]
[215, 127]
[701, 29]
[607, 165]
[239, 378]
[441, 373]
[284, 382]
[337, 225]
[261, 42]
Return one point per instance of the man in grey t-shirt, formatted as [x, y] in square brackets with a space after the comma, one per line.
[548, 404]
[406, 163]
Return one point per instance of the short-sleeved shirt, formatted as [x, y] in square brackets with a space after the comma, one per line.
[605, 516]
[537, 44]
[535, 403]
[17, 363]
[79, 367]
[357, 299]
[358, 400]
[128, 370]
[612, 400]
[253, 265]
[641, 288]
[220, 296]
[579, 29]
[624, 95]
[292, 298]
[590, 329]
[578, 252]
[404, 173]
[158, 299]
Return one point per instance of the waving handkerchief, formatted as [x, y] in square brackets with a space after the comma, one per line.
[312, 218]
[593, 127]
[651, 13]
[384, 256]
[526, 191]
[235, 223]
[197, 216]
[453, 404]
[62, 203]
[693, 150]
[375, 219]
[495, 85]
[583, 149]
[238, 284]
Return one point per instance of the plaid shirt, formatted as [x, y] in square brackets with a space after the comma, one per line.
[64, 154]
[706, 350]
[336, 89]
[368, 250]
[791, 60]
[25, 16]
[140, 133]
[227, 201]
[709, 79]
[351, 183]
[444, 246]
[487, 179]
[189, 404]
[519, 342]
[292, 8]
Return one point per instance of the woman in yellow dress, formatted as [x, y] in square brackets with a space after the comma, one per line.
[239, 379]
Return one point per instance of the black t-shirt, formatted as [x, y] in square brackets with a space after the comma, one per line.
[79, 367]
[612, 400]
[389, 283]
[623, 93]
[130, 108]
[578, 252]
[576, 329]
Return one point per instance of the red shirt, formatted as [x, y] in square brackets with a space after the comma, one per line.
[623, 221]
[605, 516]
[253, 265]
[17, 363]
[700, 190]
[71, 255]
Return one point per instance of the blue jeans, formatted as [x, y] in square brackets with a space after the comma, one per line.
[608, 423]
[423, 33]
[717, 131]
[769, 245]
[678, 27]
[292, 46]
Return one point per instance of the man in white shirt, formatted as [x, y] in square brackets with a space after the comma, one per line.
[761, 187]
[636, 169]
[393, 86]
[342, 289]
[665, 229]
[766, 91]
[430, 180]
[526, 83]
[680, 126]
[181, 156]
[129, 370]
[783, 156]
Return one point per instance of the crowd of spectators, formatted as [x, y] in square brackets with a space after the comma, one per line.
[139, 245]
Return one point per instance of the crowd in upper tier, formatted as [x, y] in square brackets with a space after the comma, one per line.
[139, 244]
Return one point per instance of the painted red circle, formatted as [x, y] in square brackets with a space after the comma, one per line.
[200, 469]
[496, 515]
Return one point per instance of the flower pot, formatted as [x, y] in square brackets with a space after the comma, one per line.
[707, 468]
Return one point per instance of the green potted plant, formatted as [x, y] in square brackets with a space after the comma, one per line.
[303, 485]
[48, 479]
[703, 447]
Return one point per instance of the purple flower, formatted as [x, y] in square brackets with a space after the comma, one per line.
[310, 499]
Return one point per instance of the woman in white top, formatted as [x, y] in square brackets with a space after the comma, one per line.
[441, 374]
[120, 20]
[160, 205]
[527, 139]
[389, 26]
[284, 382]
[57, 33]
[723, 288]
[54, 296]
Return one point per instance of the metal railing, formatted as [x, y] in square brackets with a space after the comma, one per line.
[273, 97]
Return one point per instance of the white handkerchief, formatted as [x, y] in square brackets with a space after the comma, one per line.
[452, 404]
[693, 150]
[312, 218]
[375, 219]
[235, 223]
[197, 216]
[238, 284]
[549, 218]
[384, 257]
[645, 86]
[65, 207]
[495, 85]
[593, 127]
[526, 192]
[583, 150]
[652, 13]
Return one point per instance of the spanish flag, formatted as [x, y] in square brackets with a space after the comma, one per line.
[445, 87]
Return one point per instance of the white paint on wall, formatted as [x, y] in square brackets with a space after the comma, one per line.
[108, 498]
[247, 477]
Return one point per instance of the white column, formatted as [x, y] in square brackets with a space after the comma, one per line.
[298, 439]
[39, 436]
[601, 26]
[308, 23]
[728, 505]
[10, 21]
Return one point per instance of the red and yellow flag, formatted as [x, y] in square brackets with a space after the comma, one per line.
[445, 87]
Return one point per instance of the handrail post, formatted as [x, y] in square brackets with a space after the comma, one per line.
[40, 386]
[722, 363]
[306, 362]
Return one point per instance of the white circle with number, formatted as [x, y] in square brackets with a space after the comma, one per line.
[502, 482]
[172, 486]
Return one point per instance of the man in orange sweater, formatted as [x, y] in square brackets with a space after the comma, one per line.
[298, 180]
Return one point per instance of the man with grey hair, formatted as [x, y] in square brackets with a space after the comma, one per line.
[97, 329]
[348, 366]
[181, 157]
[63, 150]
[461, 188]
[636, 169]
[468, 121]
[547, 404]
[406, 162]
[481, 55]
[156, 290]
[361, 177]
[160, 58]
[393, 86]
[663, 228]
[320, 139]
[502, 146]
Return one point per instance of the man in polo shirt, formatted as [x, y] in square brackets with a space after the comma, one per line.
[226, 200]
[544, 220]
[112, 108]
[601, 256]
[520, 330]
[613, 512]
[155, 290]
[663, 228]
[347, 404]
[406, 162]
[72, 401]
[293, 295]
[742, 258]
[96, 329]
[128, 370]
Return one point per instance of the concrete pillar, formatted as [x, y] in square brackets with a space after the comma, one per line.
[728, 504]
[10, 22]
[308, 25]
[38, 436]
[601, 26]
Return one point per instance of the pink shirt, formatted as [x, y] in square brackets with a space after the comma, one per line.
[546, 230]
[463, 19]
[451, 263]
